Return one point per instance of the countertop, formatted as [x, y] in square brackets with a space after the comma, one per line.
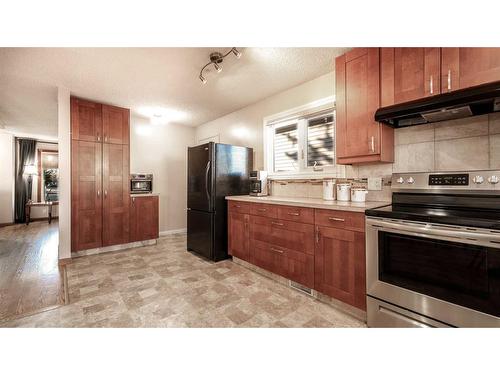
[311, 202]
[140, 195]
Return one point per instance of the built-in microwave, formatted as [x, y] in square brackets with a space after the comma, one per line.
[141, 183]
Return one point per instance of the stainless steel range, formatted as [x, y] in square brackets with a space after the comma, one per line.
[433, 256]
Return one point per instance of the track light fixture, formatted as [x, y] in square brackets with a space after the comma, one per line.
[216, 59]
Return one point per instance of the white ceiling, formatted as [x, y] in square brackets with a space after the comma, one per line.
[147, 80]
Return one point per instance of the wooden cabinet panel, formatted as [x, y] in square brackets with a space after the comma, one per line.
[116, 195]
[467, 67]
[144, 218]
[86, 120]
[115, 125]
[298, 214]
[267, 210]
[269, 257]
[238, 241]
[86, 198]
[340, 219]
[239, 207]
[340, 265]
[300, 268]
[359, 139]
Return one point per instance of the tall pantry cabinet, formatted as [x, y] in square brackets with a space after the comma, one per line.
[99, 175]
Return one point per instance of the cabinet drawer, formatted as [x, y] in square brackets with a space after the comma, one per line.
[267, 210]
[298, 214]
[340, 219]
[269, 257]
[239, 207]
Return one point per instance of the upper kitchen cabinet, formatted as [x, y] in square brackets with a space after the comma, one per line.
[115, 124]
[86, 120]
[408, 74]
[467, 67]
[359, 138]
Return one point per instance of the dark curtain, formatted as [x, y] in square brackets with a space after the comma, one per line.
[27, 148]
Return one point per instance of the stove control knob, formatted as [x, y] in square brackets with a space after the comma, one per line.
[493, 180]
[400, 180]
[410, 180]
[478, 180]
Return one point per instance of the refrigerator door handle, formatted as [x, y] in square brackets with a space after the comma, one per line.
[206, 182]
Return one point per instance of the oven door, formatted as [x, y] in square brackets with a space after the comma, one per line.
[447, 273]
[140, 186]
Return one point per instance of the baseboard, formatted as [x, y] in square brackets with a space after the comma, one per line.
[173, 231]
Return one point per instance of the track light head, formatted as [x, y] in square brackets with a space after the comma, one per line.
[203, 79]
[218, 67]
[236, 52]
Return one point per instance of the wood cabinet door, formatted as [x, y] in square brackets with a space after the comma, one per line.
[86, 196]
[116, 195]
[340, 265]
[115, 125]
[238, 240]
[357, 99]
[467, 67]
[86, 120]
[144, 216]
[416, 73]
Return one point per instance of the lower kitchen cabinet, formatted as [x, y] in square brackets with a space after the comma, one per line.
[340, 265]
[320, 249]
[144, 215]
[238, 233]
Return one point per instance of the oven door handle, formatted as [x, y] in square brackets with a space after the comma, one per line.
[429, 229]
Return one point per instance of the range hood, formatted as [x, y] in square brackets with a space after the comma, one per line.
[472, 101]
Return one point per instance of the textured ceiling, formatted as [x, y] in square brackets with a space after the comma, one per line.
[148, 81]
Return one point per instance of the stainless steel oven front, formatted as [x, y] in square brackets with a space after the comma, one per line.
[422, 274]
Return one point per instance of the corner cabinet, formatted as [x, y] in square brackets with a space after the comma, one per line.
[99, 175]
[359, 138]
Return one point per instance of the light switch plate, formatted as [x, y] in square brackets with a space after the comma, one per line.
[375, 183]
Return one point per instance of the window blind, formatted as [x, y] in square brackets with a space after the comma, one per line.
[286, 148]
[320, 141]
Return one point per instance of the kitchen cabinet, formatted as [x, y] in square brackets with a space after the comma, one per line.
[359, 138]
[115, 125]
[238, 234]
[467, 67]
[340, 270]
[115, 181]
[86, 120]
[86, 202]
[144, 216]
[408, 74]
[99, 175]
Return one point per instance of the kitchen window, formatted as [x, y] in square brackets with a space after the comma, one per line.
[301, 145]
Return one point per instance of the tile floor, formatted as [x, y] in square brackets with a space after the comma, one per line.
[165, 286]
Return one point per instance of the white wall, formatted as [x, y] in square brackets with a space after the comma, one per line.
[162, 150]
[7, 181]
[64, 137]
[244, 127]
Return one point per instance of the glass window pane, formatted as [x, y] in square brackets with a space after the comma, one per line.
[320, 141]
[286, 148]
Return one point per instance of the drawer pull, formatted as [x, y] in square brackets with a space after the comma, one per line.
[276, 250]
[336, 219]
[238, 206]
[294, 213]
[276, 223]
[262, 209]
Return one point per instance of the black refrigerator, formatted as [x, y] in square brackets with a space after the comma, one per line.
[215, 170]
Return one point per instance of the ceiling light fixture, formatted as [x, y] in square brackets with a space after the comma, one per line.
[216, 59]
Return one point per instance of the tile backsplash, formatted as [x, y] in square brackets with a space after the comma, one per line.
[463, 144]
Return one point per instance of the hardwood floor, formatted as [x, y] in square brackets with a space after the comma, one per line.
[30, 278]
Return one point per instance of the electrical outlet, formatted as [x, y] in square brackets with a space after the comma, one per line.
[375, 183]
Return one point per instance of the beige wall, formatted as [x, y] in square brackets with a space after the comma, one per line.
[162, 150]
[244, 127]
[7, 181]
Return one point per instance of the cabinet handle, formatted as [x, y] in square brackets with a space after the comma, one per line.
[262, 209]
[449, 79]
[294, 213]
[133, 200]
[336, 219]
[431, 86]
[276, 223]
[372, 143]
[105, 193]
[238, 206]
[98, 193]
[276, 250]
[98, 138]
[318, 234]
[105, 138]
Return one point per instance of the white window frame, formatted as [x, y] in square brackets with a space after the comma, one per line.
[298, 115]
